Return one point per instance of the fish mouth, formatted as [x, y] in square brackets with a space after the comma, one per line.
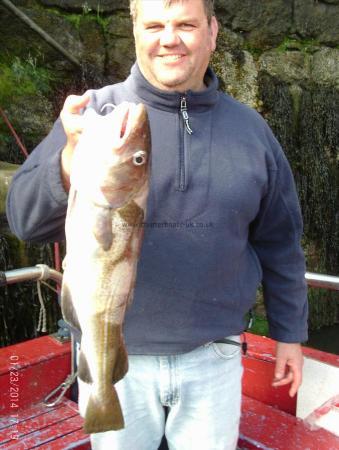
[130, 116]
[124, 123]
[129, 120]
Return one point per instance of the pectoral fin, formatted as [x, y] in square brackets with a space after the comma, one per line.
[84, 372]
[103, 227]
[68, 310]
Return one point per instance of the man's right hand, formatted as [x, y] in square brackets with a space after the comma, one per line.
[72, 122]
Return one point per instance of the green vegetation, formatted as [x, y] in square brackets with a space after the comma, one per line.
[323, 308]
[21, 78]
[77, 19]
[260, 326]
[19, 304]
[302, 45]
[102, 21]
[255, 51]
[6, 172]
[259, 320]
[73, 19]
[16, 249]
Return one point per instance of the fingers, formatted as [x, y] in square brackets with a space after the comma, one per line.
[288, 369]
[74, 103]
[286, 378]
[292, 376]
[297, 378]
[280, 369]
[72, 121]
[71, 117]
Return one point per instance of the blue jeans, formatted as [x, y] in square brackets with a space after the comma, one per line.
[202, 390]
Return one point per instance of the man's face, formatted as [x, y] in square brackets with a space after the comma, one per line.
[174, 43]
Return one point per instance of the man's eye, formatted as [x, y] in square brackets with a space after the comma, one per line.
[154, 27]
[187, 26]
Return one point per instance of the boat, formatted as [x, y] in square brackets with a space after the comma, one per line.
[38, 409]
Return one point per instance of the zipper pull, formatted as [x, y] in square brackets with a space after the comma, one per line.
[184, 113]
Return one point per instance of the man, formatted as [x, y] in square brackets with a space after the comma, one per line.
[222, 216]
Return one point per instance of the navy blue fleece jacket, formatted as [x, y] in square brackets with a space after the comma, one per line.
[223, 216]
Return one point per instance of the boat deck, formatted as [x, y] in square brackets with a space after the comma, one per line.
[265, 427]
[29, 371]
[44, 428]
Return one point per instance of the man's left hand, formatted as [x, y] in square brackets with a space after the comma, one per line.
[288, 366]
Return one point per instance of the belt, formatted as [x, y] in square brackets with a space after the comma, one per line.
[242, 344]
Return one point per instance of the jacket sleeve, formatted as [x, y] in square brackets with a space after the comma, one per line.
[275, 235]
[36, 200]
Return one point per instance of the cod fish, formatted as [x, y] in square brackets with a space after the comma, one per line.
[106, 210]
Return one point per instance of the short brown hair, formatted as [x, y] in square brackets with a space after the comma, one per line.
[208, 6]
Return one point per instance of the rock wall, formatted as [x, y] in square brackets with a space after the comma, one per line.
[278, 56]
[293, 41]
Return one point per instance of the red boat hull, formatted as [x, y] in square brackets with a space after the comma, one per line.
[31, 370]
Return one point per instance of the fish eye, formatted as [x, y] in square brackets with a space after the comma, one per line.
[139, 158]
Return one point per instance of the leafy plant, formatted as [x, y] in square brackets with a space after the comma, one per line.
[20, 78]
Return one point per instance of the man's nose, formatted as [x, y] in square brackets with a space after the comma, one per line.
[169, 37]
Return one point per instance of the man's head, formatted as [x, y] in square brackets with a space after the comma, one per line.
[174, 40]
[208, 5]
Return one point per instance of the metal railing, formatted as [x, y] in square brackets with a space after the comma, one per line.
[39, 272]
[318, 280]
[43, 272]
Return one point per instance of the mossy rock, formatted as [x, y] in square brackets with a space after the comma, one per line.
[6, 173]
[93, 40]
[288, 66]
[317, 20]
[87, 6]
[32, 117]
[120, 47]
[237, 73]
[263, 24]
[325, 67]
[17, 39]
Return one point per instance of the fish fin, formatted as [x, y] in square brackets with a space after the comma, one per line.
[103, 227]
[68, 310]
[84, 372]
[103, 415]
[132, 214]
[121, 364]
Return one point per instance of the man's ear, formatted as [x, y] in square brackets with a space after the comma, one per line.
[214, 27]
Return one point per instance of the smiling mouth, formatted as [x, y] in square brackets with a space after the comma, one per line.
[171, 58]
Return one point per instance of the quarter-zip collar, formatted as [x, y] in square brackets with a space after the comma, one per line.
[170, 101]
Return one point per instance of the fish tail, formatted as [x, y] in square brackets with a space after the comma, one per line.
[103, 414]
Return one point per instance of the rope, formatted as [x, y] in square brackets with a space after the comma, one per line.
[50, 287]
[56, 396]
[42, 324]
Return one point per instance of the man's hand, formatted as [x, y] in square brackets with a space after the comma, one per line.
[288, 366]
[72, 122]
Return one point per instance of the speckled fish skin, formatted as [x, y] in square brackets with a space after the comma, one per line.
[106, 210]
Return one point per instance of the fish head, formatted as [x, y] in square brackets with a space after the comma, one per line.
[111, 161]
[131, 153]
